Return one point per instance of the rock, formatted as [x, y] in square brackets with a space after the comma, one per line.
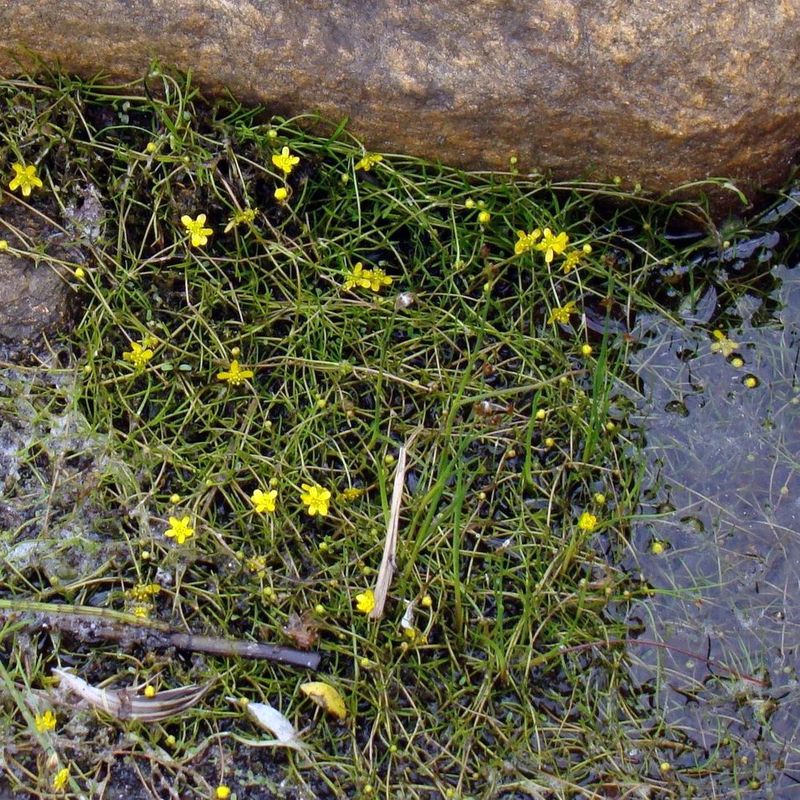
[35, 298]
[659, 94]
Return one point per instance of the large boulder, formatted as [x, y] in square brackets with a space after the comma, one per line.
[660, 94]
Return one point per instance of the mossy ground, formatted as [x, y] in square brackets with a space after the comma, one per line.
[507, 680]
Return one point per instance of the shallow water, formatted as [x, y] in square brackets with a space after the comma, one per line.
[722, 497]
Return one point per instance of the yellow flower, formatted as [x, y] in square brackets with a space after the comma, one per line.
[243, 217]
[3, 244]
[369, 161]
[573, 258]
[723, 344]
[60, 779]
[144, 591]
[484, 217]
[357, 276]
[561, 314]
[285, 160]
[235, 375]
[551, 244]
[526, 241]
[316, 498]
[586, 350]
[179, 529]
[412, 636]
[377, 279]
[351, 493]
[365, 601]
[374, 279]
[587, 522]
[257, 564]
[45, 722]
[150, 691]
[25, 179]
[222, 792]
[138, 355]
[197, 229]
[264, 501]
[657, 548]
[280, 194]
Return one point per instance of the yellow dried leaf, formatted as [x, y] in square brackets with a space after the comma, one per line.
[325, 696]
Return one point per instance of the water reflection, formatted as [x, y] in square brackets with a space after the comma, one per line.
[719, 534]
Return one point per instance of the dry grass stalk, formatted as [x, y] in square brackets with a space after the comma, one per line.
[386, 571]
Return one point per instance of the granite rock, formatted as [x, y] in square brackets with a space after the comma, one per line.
[35, 296]
[660, 94]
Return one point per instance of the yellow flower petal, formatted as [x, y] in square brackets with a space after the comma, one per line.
[326, 697]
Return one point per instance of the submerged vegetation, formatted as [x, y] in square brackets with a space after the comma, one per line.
[286, 351]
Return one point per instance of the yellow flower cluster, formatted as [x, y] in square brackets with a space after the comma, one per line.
[551, 244]
[141, 353]
[140, 598]
[314, 497]
[143, 591]
[374, 279]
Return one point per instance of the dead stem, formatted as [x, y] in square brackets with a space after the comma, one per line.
[103, 624]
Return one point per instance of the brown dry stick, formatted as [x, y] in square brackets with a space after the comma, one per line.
[92, 623]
